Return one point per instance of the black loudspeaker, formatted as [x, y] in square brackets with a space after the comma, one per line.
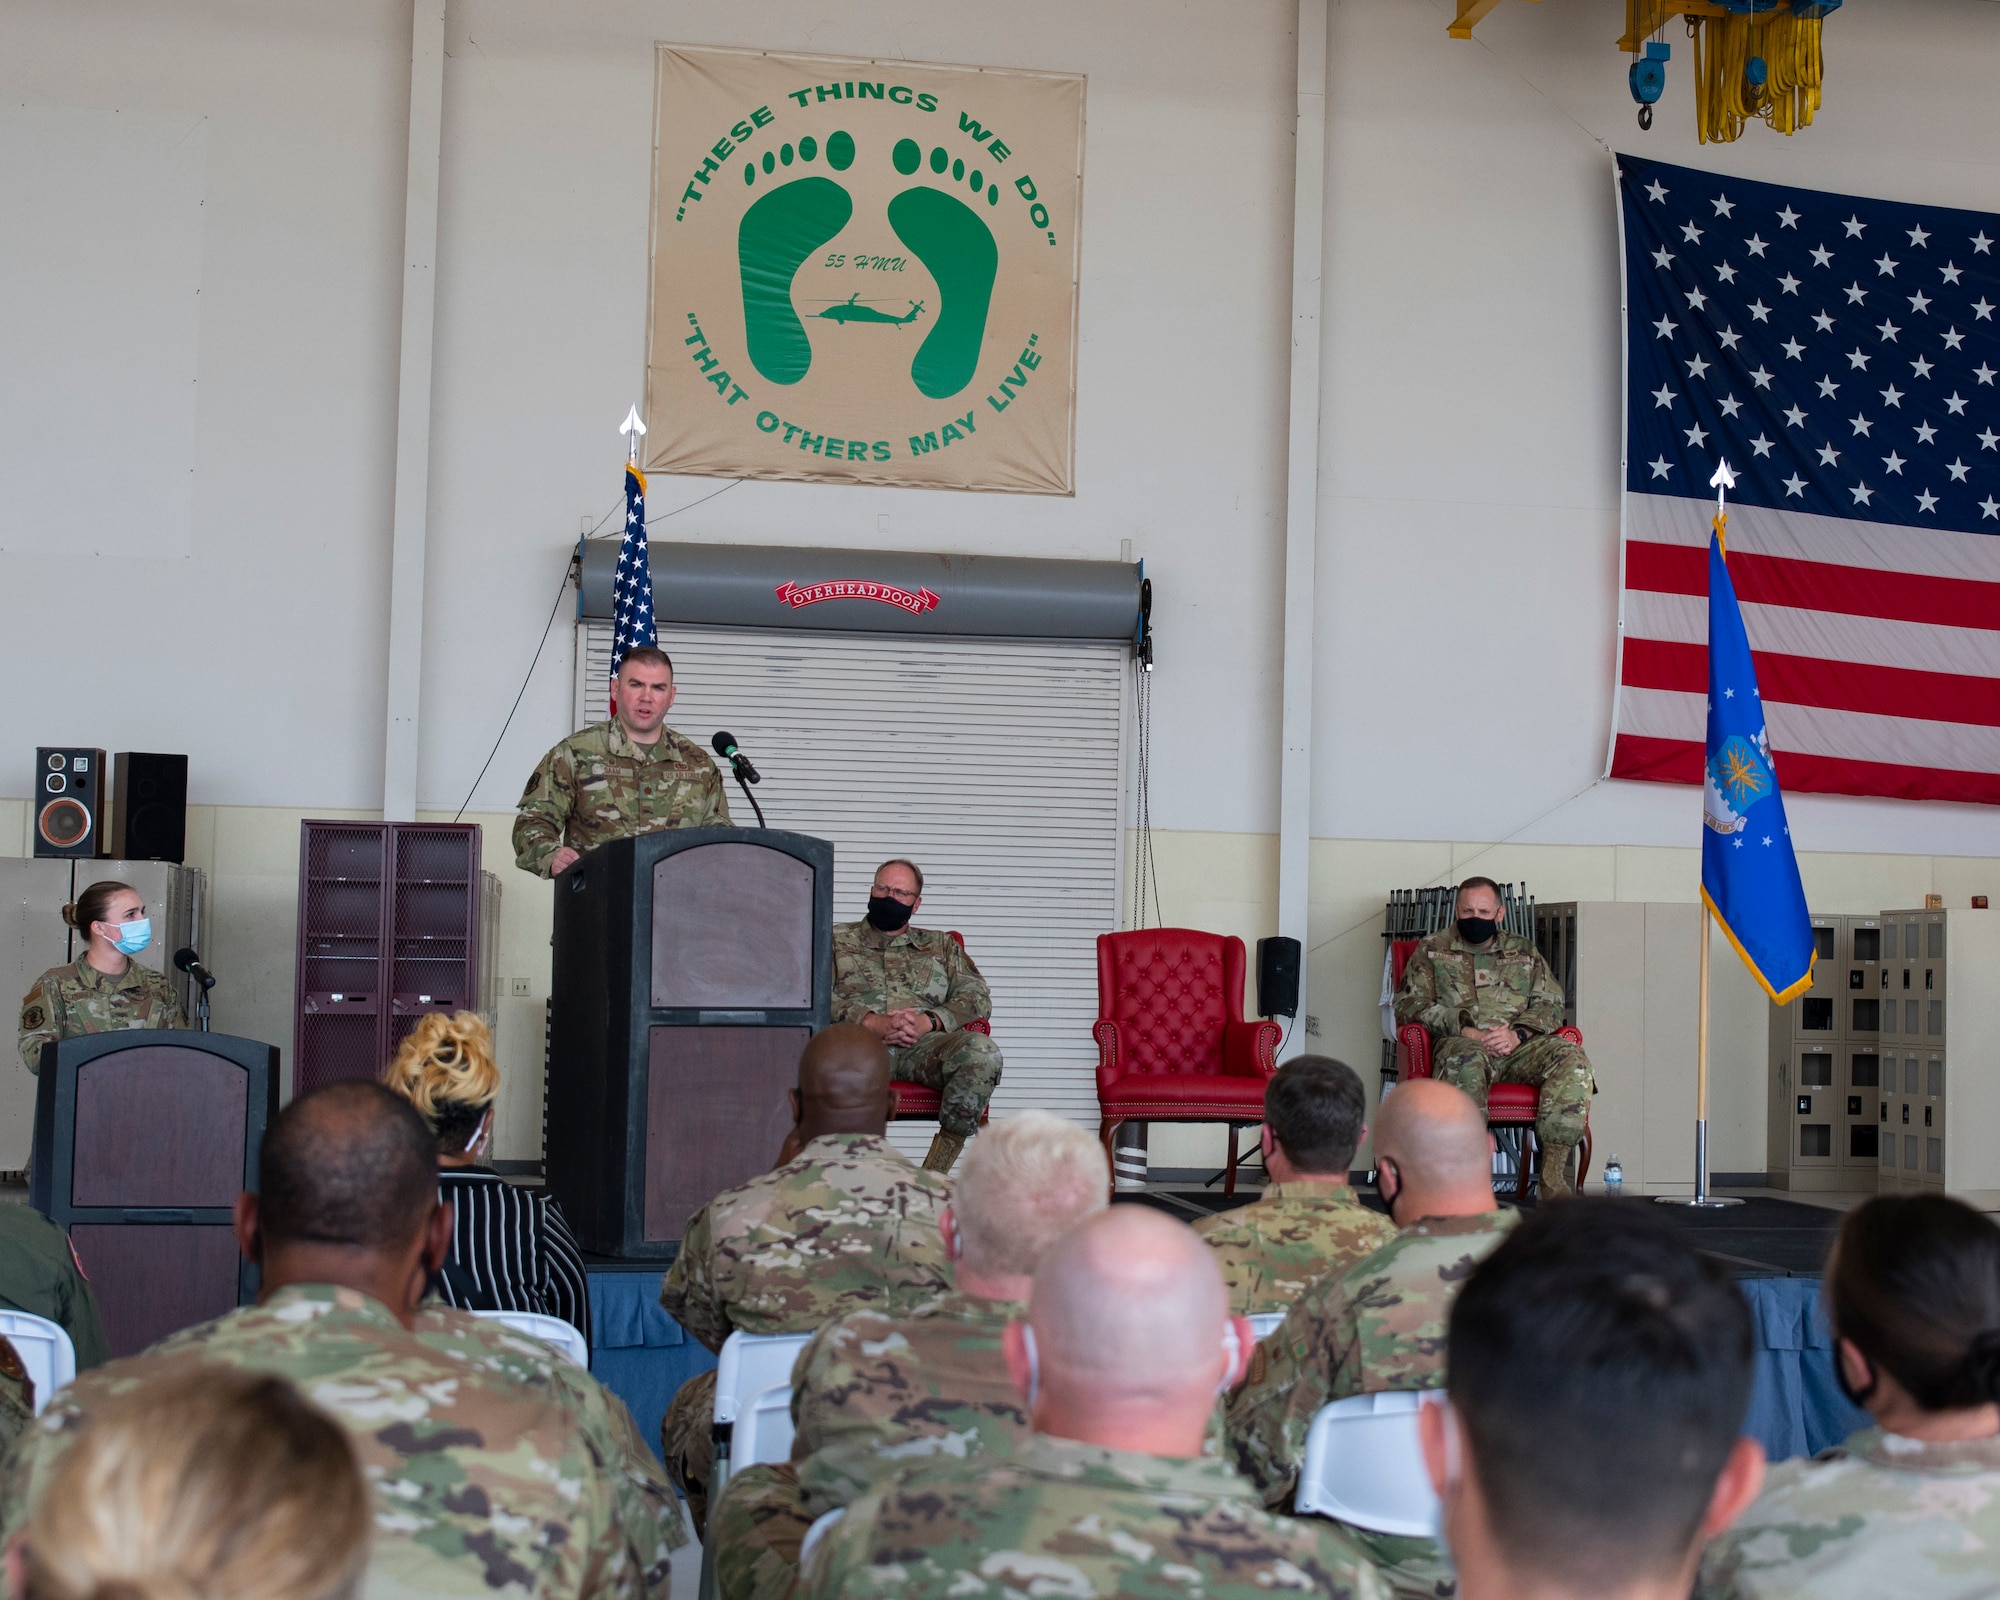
[149, 801]
[1277, 977]
[69, 802]
[143, 1140]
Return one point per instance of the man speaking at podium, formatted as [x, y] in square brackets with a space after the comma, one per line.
[613, 779]
[916, 989]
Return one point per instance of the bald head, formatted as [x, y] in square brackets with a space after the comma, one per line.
[1130, 1302]
[844, 1082]
[1434, 1138]
[351, 1164]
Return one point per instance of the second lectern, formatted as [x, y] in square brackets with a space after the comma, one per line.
[691, 966]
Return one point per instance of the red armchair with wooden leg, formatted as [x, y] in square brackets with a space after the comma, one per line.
[1508, 1105]
[1172, 1042]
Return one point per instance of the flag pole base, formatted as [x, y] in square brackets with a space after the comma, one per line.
[1701, 1198]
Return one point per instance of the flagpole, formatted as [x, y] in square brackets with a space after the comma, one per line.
[1701, 1197]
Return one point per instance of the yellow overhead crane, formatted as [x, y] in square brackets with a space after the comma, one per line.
[1752, 59]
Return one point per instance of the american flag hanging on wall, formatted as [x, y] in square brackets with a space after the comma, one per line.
[1844, 355]
[632, 582]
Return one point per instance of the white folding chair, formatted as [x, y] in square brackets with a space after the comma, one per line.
[763, 1428]
[1364, 1465]
[822, 1526]
[45, 1350]
[550, 1330]
[750, 1363]
[1265, 1323]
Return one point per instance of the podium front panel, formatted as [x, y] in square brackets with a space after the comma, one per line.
[717, 1098]
[732, 929]
[156, 1280]
[161, 1126]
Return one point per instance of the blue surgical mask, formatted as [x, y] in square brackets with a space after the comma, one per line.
[135, 936]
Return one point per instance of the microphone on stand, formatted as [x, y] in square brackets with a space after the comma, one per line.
[189, 962]
[746, 774]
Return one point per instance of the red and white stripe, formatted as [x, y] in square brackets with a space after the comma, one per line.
[1877, 650]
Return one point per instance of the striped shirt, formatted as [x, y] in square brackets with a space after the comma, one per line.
[511, 1250]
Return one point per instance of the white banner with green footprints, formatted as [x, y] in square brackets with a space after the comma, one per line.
[864, 272]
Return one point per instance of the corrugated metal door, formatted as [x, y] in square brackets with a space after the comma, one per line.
[994, 764]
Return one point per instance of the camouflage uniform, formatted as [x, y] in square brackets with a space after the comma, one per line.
[921, 969]
[78, 999]
[1448, 986]
[647, 1507]
[597, 785]
[1379, 1325]
[845, 1225]
[39, 1275]
[1879, 1515]
[17, 1397]
[871, 1395]
[1064, 1519]
[482, 1487]
[1271, 1249]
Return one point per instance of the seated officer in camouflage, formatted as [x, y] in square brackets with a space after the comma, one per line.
[39, 1275]
[1307, 1223]
[843, 1224]
[613, 779]
[915, 989]
[480, 1484]
[1492, 1008]
[1127, 1339]
[1909, 1506]
[876, 1391]
[17, 1397]
[1591, 1442]
[1379, 1325]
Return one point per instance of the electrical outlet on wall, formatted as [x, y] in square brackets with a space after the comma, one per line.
[523, 990]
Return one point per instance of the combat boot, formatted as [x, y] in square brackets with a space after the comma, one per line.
[1558, 1161]
[944, 1151]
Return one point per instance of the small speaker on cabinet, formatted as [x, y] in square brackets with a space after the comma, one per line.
[1277, 977]
[148, 806]
[69, 802]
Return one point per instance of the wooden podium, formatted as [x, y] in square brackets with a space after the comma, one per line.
[143, 1140]
[691, 966]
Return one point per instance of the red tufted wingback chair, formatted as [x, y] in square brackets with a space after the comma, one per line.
[912, 1101]
[1172, 1045]
[1508, 1105]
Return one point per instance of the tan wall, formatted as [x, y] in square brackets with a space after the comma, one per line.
[1222, 881]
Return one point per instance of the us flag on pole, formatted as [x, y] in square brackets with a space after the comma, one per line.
[632, 582]
[1844, 355]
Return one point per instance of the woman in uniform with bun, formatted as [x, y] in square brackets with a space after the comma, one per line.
[104, 988]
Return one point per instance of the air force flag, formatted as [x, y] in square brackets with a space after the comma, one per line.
[1749, 875]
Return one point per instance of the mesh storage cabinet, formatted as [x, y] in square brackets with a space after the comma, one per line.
[388, 931]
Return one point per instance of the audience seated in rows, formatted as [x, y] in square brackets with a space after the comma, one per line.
[1380, 1325]
[481, 1481]
[843, 1224]
[1911, 1506]
[1591, 1439]
[1308, 1222]
[1120, 1358]
[210, 1485]
[511, 1249]
[878, 1391]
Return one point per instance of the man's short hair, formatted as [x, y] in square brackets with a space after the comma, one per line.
[349, 1164]
[647, 655]
[1477, 883]
[915, 871]
[1314, 1107]
[1024, 1183]
[1601, 1367]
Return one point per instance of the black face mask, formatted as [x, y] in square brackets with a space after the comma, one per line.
[1477, 930]
[887, 913]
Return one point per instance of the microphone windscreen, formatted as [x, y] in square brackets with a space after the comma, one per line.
[723, 743]
[185, 957]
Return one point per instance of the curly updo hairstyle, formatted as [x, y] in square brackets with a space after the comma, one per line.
[1915, 1283]
[445, 1068]
[93, 904]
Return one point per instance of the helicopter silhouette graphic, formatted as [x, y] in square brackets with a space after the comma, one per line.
[851, 310]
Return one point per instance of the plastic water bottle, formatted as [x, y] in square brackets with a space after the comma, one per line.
[1614, 1177]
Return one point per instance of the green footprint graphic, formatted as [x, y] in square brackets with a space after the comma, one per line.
[777, 236]
[947, 236]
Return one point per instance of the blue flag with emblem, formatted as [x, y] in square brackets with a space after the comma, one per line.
[632, 582]
[1749, 874]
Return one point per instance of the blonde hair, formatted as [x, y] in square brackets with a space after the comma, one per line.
[1024, 1183]
[213, 1485]
[445, 1068]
